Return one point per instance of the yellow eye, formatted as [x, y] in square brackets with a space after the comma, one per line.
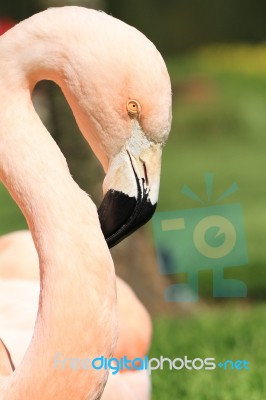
[133, 108]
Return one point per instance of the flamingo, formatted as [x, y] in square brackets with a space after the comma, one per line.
[118, 88]
[19, 261]
[18, 256]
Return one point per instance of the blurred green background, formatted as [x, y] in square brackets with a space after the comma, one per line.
[216, 57]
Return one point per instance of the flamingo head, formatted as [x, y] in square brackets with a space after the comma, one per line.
[129, 122]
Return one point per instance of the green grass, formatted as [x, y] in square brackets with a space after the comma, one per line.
[11, 218]
[228, 333]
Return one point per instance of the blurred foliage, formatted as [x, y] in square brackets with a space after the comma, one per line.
[173, 25]
[21, 9]
[181, 25]
[238, 58]
[219, 126]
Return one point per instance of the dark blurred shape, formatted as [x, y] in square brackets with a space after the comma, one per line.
[57, 116]
[181, 25]
[19, 9]
[173, 25]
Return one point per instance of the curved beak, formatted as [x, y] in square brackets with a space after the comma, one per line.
[131, 189]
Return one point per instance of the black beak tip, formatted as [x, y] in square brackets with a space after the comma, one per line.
[120, 215]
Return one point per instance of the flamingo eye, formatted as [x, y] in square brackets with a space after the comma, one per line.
[133, 108]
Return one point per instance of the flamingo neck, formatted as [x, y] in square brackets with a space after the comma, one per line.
[77, 297]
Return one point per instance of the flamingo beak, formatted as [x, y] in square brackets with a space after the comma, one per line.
[131, 191]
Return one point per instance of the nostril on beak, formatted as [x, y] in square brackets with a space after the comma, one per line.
[145, 174]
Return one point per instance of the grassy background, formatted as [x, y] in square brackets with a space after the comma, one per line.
[222, 333]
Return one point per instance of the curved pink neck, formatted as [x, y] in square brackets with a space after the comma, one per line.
[77, 316]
